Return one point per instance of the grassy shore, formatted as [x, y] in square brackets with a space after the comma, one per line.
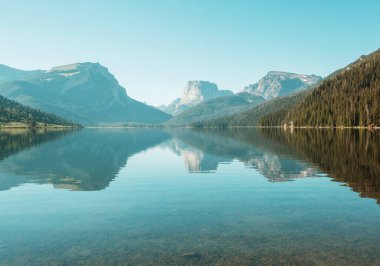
[38, 125]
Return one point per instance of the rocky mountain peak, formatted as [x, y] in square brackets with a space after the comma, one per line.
[279, 83]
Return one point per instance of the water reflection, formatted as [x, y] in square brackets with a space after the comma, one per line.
[348, 156]
[87, 160]
[14, 140]
[204, 150]
[91, 159]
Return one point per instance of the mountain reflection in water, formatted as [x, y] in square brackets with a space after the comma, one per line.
[90, 159]
[86, 160]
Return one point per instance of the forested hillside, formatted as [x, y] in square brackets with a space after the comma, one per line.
[12, 112]
[350, 98]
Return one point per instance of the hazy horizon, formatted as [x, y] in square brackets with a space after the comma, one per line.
[154, 47]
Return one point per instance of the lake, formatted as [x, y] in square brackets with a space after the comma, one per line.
[189, 197]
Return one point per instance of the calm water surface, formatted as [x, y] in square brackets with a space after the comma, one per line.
[188, 197]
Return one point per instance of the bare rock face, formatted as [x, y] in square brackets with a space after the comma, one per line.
[277, 83]
[199, 91]
[195, 92]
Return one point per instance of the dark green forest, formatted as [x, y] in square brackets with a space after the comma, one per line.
[350, 98]
[11, 111]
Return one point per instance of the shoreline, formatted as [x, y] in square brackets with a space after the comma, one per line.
[24, 126]
[285, 128]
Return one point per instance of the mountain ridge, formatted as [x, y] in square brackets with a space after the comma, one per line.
[280, 83]
[84, 92]
[216, 108]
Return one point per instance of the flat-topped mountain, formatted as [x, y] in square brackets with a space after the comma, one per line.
[277, 83]
[85, 92]
[195, 92]
[199, 91]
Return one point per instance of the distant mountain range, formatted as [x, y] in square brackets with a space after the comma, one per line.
[88, 94]
[349, 97]
[197, 105]
[85, 92]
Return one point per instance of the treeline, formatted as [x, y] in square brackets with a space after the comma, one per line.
[11, 111]
[350, 98]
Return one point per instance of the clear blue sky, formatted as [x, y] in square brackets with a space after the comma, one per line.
[154, 47]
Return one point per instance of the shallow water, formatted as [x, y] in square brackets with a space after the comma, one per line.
[187, 197]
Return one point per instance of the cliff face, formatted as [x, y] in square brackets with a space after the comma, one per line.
[195, 92]
[199, 91]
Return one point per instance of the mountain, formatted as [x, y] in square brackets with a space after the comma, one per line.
[216, 108]
[174, 108]
[194, 93]
[16, 115]
[85, 92]
[347, 97]
[350, 97]
[254, 116]
[8, 73]
[276, 84]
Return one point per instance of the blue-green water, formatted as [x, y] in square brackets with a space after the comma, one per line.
[188, 197]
